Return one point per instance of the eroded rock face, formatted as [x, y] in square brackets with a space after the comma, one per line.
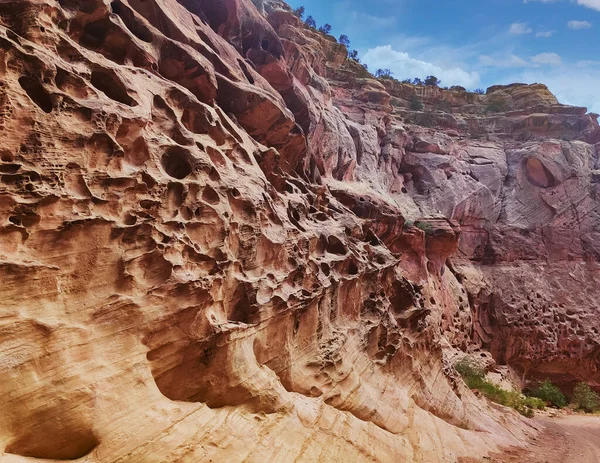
[217, 233]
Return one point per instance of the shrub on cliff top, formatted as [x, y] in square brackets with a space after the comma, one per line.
[432, 81]
[325, 29]
[299, 12]
[384, 74]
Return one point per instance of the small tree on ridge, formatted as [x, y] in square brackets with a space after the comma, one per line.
[325, 29]
[432, 81]
[299, 12]
[384, 74]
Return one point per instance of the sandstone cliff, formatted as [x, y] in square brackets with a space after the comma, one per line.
[221, 240]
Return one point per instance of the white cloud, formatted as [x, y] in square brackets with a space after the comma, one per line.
[404, 66]
[547, 58]
[578, 25]
[587, 63]
[519, 29]
[544, 34]
[514, 61]
[509, 61]
[593, 4]
[573, 85]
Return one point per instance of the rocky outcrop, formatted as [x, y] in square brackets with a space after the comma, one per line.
[221, 240]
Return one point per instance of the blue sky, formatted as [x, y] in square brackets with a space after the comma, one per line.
[476, 43]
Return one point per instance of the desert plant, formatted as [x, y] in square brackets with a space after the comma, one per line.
[444, 106]
[432, 81]
[497, 107]
[473, 375]
[585, 398]
[299, 12]
[310, 22]
[535, 403]
[479, 91]
[426, 227]
[415, 103]
[550, 393]
[325, 29]
[344, 40]
[353, 55]
[471, 371]
[384, 74]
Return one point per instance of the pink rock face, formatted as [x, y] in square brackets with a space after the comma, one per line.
[221, 240]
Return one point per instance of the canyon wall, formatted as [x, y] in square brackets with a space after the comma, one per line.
[221, 240]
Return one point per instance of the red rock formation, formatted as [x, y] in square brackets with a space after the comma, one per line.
[221, 240]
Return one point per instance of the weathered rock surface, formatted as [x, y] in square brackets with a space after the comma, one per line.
[222, 241]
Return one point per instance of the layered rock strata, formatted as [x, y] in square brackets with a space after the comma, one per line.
[223, 241]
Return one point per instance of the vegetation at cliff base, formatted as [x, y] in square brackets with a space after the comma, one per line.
[585, 398]
[474, 377]
[549, 393]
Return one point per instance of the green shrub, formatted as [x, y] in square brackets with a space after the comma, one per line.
[550, 393]
[443, 106]
[415, 103]
[472, 372]
[325, 29]
[535, 403]
[432, 81]
[310, 22]
[426, 227]
[384, 74]
[497, 107]
[474, 376]
[585, 398]
[299, 12]
[525, 411]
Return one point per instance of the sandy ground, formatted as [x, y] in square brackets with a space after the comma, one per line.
[567, 439]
